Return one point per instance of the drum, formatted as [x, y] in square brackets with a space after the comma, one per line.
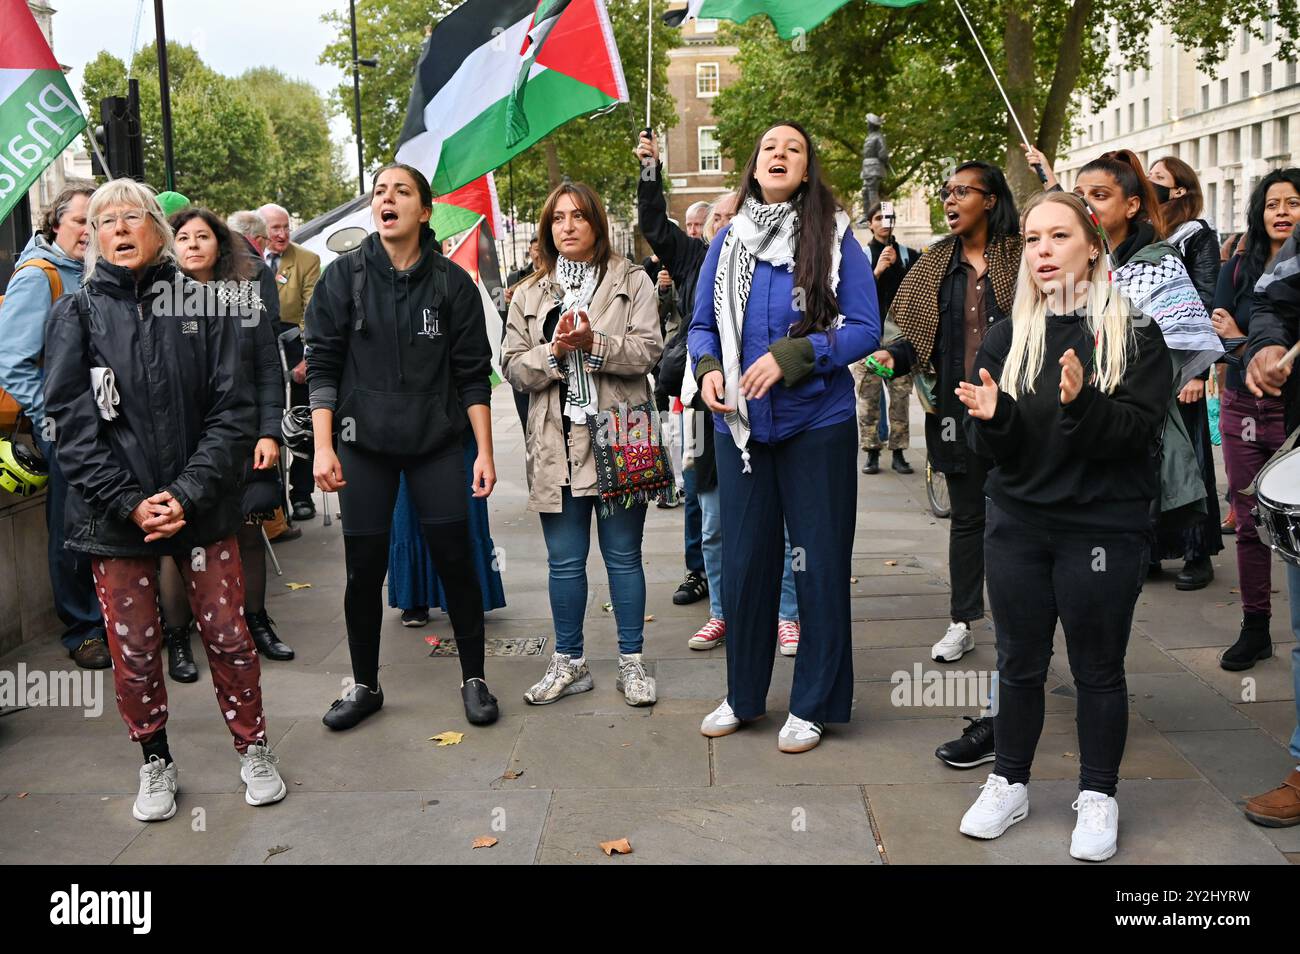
[1277, 495]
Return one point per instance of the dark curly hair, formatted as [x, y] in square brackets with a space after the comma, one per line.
[233, 263]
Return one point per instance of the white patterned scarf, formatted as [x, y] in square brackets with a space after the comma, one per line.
[1163, 291]
[575, 284]
[758, 232]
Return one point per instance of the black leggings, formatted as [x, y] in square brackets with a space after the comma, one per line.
[252, 554]
[1090, 581]
[439, 489]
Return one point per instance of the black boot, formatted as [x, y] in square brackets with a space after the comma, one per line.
[268, 644]
[180, 661]
[872, 466]
[900, 464]
[480, 705]
[357, 703]
[1195, 575]
[1251, 646]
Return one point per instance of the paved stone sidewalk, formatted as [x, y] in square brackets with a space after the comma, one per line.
[589, 769]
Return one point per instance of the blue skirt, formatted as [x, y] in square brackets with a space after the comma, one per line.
[412, 580]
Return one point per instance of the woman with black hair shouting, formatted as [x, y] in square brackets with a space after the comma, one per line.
[957, 291]
[398, 358]
[786, 302]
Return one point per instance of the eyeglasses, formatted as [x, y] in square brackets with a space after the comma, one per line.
[133, 219]
[960, 191]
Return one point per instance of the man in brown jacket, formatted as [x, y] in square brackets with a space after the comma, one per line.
[296, 271]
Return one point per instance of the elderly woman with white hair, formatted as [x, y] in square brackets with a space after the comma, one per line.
[153, 426]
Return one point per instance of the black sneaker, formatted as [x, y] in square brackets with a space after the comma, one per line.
[975, 747]
[480, 705]
[357, 703]
[415, 616]
[693, 589]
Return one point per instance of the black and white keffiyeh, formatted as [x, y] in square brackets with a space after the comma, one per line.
[758, 232]
[575, 286]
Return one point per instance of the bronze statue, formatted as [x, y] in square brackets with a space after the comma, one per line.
[875, 164]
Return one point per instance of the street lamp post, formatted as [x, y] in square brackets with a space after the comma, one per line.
[357, 63]
[165, 100]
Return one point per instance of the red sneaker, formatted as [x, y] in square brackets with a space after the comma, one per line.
[711, 634]
[787, 637]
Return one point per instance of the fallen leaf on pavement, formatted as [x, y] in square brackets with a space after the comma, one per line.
[650, 618]
[607, 607]
[298, 586]
[275, 850]
[620, 847]
[447, 738]
[891, 563]
[853, 579]
[484, 841]
[512, 774]
[23, 794]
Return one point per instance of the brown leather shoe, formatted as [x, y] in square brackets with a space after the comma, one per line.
[92, 654]
[1279, 808]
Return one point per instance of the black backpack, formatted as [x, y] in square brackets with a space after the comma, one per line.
[358, 268]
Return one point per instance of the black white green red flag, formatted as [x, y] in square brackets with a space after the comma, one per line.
[496, 76]
[38, 114]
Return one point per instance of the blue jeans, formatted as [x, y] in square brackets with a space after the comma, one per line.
[694, 523]
[70, 580]
[1293, 589]
[711, 522]
[568, 541]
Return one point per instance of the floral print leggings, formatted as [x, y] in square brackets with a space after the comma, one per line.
[214, 582]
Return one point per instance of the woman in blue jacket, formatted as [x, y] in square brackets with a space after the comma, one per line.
[785, 297]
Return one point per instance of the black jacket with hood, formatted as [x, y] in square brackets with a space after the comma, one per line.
[400, 374]
[185, 419]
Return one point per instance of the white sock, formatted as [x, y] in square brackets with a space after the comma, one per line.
[580, 661]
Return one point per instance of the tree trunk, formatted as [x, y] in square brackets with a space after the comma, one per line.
[553, 163]
[1018, 45]
[1069, 60]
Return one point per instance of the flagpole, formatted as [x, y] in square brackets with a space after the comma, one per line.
[980, 46]
[514, 219]
[649, 56]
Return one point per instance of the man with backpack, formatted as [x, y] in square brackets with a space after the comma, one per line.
[51, 266]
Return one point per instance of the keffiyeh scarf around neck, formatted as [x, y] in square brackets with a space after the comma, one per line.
[769, 233]
[575, 286]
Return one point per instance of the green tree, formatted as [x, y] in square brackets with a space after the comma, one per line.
[304, 176]
[596, 150]
[919, 68]
[236, 142]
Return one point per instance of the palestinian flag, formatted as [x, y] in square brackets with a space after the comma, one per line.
[790, 17]
[462, 208]
[476, 252]
[493, 66]
[38, 114]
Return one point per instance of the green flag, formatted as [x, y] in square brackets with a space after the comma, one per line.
[38, 114]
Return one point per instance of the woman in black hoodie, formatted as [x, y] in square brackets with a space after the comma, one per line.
[1071, 395]
[398, 362]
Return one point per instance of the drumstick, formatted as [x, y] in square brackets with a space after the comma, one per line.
[1290, 356]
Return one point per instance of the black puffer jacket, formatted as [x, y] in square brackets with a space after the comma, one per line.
[185, 423]
[259, 366]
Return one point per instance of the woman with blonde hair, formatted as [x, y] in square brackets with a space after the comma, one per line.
[1069, 400]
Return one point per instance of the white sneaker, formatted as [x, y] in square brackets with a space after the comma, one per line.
[562, 678]
[638, 689]
[799, 735]
[1096, 831]
[257, 769]
[957, 642]
[156, 800]
[998, 808]
[721, 721]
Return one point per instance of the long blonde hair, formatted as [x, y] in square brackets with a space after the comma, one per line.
[1109, 314]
